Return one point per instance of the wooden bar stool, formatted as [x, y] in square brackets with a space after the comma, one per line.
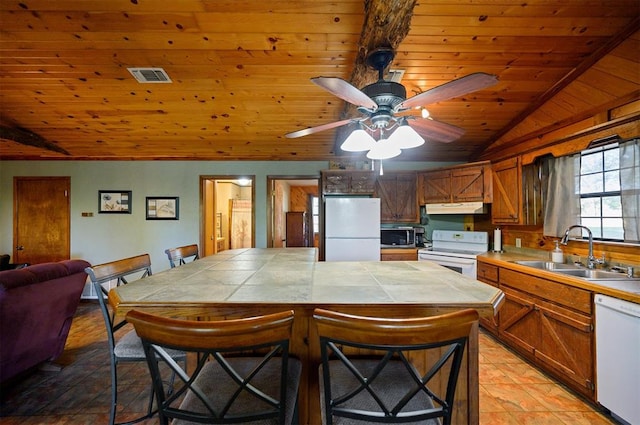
[243, 373]
[367, 375]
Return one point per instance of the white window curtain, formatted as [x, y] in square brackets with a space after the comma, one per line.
[630, 189]
[562, 206]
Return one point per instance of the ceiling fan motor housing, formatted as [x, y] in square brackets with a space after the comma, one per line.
[388, 95]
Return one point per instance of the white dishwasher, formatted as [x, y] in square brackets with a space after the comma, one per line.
[618, 357]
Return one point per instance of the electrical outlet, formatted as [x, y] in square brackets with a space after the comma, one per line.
[518, 243]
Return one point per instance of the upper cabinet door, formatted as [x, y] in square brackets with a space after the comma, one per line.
[435, 187]
[471, 184]
[398, 201]
[461, 183]
[348, 182]
[507, 189]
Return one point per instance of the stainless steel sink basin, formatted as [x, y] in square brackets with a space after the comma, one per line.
[593, 274]
[547, 265]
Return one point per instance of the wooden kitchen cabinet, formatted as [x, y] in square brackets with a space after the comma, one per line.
[348, 182]
[507, 189]
[464, 183]
[488, 273]
[552, 325]
[435, 187]
[398, 254]
[519, 192]
[397, 193]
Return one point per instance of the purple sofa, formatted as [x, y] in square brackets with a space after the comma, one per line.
[37, 304]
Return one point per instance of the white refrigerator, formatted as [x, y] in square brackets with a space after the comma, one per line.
[352, 229]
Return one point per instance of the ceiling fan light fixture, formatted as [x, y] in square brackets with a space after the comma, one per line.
[358, 141]
[383, 149]
[405, 137]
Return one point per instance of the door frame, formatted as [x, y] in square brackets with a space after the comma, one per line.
[208, 200]
[271, 181]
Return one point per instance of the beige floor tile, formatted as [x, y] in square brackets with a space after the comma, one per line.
[497, 418]
[514, 398]
[491, 373]
[536, 418]
[557, 399]
[489, 403]
[583, 418]
[523, 373]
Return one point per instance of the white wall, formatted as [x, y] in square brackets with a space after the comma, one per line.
[107, 237]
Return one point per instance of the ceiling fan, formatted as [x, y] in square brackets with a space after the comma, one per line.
[383, 102]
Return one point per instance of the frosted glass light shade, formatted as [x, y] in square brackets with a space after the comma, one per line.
[406, 137]
[358, 141]
[383, 149]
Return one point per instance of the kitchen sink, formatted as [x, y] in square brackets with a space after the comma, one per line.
[581, 272]
[593, 274]
[547, 265]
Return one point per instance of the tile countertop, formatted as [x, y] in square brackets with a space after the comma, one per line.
[292, 275]
[629, 291]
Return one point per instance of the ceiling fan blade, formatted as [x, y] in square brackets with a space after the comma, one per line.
[345, 91]
[455, 88]
[436, 130]
[317, 129]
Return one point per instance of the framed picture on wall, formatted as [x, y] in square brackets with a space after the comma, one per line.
[162, 208]
[114, 201]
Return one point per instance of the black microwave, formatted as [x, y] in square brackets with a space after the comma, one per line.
[398, 237]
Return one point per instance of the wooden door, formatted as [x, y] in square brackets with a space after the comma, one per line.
[296, 229]
[42, 219]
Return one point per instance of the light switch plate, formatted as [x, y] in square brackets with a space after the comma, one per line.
[518, 243]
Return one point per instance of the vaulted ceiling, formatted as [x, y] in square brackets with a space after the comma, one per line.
[241, 70]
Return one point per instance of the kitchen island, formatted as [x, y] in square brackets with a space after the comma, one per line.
[245, 282]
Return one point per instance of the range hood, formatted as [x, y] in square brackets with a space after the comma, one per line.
[457, 208]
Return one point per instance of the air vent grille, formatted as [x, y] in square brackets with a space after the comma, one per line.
[395, 75]
[150, 75]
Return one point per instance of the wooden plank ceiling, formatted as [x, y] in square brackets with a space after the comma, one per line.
[241, 70]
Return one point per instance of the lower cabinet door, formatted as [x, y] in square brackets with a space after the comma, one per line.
[518, 322]
[565, 347]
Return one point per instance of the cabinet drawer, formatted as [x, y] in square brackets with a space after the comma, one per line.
[575, 298]
[487, 272]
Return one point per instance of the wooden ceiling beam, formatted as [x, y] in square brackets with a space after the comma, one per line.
[29, 138]
[386, 24]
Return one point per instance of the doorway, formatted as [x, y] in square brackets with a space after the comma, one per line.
[42, 219]
[227, 218]
[296, 197]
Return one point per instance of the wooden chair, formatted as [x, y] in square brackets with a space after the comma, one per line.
[384, 386]
[224, 387]
[128, 348]
[178, 256]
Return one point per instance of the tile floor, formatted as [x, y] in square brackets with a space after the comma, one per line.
[511, 391]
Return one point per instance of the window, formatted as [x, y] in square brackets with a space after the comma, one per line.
[598, 188]
[315, 214]
[600, 194]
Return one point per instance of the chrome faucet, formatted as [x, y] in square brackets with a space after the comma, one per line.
[591, 260]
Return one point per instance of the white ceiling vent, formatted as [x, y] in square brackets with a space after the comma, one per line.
[395, 75]
[150, 75]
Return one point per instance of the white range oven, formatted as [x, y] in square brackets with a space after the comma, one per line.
[456, 250]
